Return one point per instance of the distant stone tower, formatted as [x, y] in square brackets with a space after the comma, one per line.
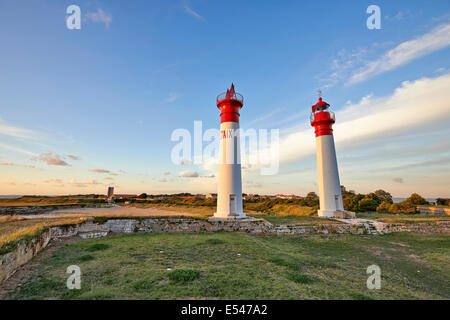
[110, 195]
[229, 194]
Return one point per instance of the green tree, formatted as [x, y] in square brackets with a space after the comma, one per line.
[416, 199]
[367, 204]
[312, 195]
[384, 207]
[384, 196]
[374, 197]
[142, 196]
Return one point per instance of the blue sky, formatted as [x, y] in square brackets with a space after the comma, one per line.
[77, 103]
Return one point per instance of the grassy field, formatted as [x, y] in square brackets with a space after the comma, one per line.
[199, 211]
[402, 218]
[14, 229]
[47, 201]
[241, 266]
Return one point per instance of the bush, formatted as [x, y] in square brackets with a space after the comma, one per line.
[367, 204]
[384, 207]
[402, 207]
[384, 196]
[416, 199]
[442, 201]
[351, 201]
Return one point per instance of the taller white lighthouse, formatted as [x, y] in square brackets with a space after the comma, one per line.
[229, 193]
[330, 196]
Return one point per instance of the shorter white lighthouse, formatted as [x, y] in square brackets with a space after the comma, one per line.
[229, 193]
[330, 196]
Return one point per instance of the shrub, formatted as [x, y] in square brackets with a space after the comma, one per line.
[384, 207]
[416, 199]
[367, 205]
[384, 196]
[402, 207]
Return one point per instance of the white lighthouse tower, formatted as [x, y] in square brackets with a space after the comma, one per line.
[330, 196]
[229, 193]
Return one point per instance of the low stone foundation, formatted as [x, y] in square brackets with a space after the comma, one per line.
[434, 210]
[90, 229]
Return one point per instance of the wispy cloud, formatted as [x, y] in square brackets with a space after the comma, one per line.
[99, 16]
[17, 132]
[171, 98]
[51, 159]
[397, 179]
[189, 174]
[92, 181]
[73, 182]
[99, 170]
[372, 118]
[16, 165]
[404, 53]
[71, 156]
[192, 12]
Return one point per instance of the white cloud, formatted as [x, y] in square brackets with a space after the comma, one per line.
[192, 12]
[74, 183]
[171, 98]
[73, 157]
[17, 132]
[92, 181]
[100, 17]
[404, 53]
[397, 179]
[412, 106]
[51, 159]
[100, 171]
[189, 174]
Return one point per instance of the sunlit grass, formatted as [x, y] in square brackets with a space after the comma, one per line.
[242, 266]
[14, 229]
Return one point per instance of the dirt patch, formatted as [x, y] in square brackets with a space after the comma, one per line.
[399, 244]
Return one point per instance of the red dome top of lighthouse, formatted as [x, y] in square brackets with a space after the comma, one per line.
[229, 103]
[319, 104]
[322, 118]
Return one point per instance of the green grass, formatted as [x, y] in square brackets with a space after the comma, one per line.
[295, 220]
[402, 218]
[183, 275]
[242, 266]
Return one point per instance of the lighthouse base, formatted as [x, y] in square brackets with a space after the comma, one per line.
[336, 214]
[230, 216]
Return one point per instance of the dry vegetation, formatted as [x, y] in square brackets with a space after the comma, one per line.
[47, 201]
[14, 229]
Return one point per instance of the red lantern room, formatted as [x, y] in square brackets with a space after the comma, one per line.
[322, 118]
[230, 103]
